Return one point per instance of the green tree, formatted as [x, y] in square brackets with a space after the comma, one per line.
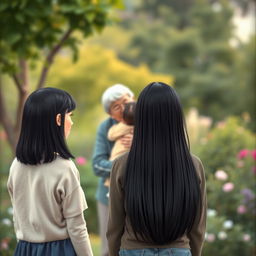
[154, 9]
[210, 73]
[245, 84]
[35, 29]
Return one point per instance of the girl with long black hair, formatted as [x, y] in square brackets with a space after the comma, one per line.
[157, 190]
[44, 183]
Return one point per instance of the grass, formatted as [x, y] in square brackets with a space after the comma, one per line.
[95, 242]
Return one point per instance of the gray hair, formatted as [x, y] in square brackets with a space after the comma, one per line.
[114, 93]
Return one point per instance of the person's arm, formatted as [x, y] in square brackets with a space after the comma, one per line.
[197, 234]
[118, 130]
[126, 140]
[101, 164]
[116, 221]
[79, 236]
[73, 206]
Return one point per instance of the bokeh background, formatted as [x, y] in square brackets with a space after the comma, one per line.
[204, 48]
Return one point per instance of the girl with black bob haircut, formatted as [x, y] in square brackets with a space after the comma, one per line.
[40, 137]
[44, 184]
[157, 191]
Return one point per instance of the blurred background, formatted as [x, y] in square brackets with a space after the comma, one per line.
[204, 48]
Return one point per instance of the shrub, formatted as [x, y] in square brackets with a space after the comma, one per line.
[229, 160]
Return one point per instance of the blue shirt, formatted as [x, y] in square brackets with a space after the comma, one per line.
[100, 160]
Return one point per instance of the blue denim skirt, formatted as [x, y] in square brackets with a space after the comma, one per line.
[54, 248]
[156, 252]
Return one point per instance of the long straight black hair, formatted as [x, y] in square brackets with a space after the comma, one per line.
[161, 186]
[40, 136]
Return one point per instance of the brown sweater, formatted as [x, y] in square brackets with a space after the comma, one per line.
[120, 234]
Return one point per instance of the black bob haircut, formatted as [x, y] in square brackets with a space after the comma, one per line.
[41, 139]
[161, 186]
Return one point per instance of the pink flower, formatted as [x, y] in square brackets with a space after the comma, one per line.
[243, 153]
[241, 209]
[227, 187]
[221, 175]
[210, 238]
[246, 237]
[81, 160]
[254, 154]
[5, 243]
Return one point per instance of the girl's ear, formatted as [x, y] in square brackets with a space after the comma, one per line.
[58, 119]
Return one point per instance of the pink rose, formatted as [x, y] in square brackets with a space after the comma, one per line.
[81, 160]
[5, 243]
[221, 175]
[243, 153]
[210, 238]
[227, 187]
[241, 209]
[246, 237]
[254, 154]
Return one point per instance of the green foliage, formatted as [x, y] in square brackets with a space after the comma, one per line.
[223, 143]
[86, 81]
[89, 184]
[7, 236]
[210, 72]
[229, 156]
[30, 26]
[233, 200]
[245, 84]
[223, 241]
[210, 21]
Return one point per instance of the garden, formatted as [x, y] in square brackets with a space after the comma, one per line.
[85, 46]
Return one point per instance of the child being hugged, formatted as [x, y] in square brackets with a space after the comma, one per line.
[44, 184]
[117, 131]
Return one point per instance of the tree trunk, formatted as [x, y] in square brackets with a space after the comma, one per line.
[5, 120]
[11, 129]
[23, 94]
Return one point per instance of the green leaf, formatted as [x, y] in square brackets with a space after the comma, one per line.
[19, 17]
[13, 38]
[90, 16]
[67, 8]
[3, 6]
[118, 4]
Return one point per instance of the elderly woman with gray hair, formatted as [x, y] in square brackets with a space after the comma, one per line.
[113, 100]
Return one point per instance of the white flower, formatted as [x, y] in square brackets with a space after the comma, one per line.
[221, 175]
[211, 212]
[228, 224]
[6, 222]
[222, 235]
